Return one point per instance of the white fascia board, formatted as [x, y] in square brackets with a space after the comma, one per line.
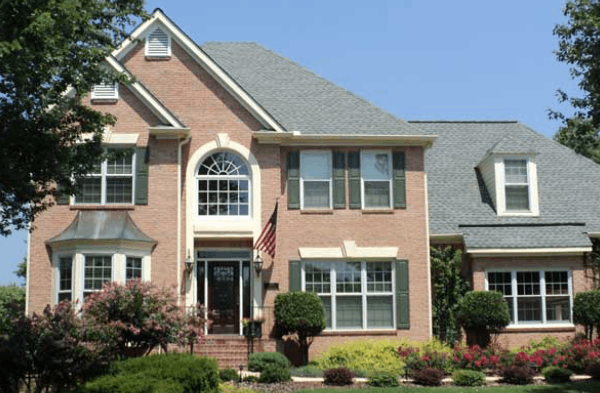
[204, 61]
[491, 252]
[297, 139]
[143, 94]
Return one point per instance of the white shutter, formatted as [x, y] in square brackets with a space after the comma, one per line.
[105, 91]
[158, 44]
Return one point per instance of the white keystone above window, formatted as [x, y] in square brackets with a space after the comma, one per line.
[158, 44]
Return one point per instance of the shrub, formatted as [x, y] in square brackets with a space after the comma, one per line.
[172, 373]
[307, 371]
[476, 358]
[416, 359]
[517, 375]
[383, 379]
[272, 374]
[229, 374]
[299, 313]
[586, 311]
[555, 374]
[428, 377]
[468, 378]
[260, 360]
[250, 379]
[482, 313]
[340, 376]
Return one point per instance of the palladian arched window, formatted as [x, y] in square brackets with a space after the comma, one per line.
[223, 186]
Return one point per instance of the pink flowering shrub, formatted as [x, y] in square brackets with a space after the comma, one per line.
[477, 358]
[415, 360]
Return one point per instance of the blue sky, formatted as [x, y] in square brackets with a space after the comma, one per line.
[420, 60]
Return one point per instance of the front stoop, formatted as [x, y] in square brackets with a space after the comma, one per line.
[229, 351]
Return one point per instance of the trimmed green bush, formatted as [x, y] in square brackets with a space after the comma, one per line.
[554, 374]
[340, 376]
[228, 374]
[586, 311]
[383, 379]
[428, 377]
[299, 313]
[307, 371]
[172, 373]
[272, 373]
[260, 360]
[468, 378]
[482, 313]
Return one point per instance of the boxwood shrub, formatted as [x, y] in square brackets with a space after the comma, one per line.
[260, 360]
[172, 373]
[272, 373]
[554, 374]
[468, 378]
[383, 379]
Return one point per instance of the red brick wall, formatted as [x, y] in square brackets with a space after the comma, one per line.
[207, 109]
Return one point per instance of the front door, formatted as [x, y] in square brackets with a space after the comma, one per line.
[224, 297]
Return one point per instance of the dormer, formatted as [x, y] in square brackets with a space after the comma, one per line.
[510, 175]
[158, 43]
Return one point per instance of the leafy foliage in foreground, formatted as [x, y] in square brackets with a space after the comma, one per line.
[482, 313]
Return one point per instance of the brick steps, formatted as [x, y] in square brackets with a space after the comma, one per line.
[229, 351]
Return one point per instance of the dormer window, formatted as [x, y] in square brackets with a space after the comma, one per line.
[158, 44]
[105, 91]
[516, 186]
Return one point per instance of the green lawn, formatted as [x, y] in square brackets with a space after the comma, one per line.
[583, 387]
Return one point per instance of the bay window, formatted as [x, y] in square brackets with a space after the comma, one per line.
[356, 295]
[534, 296]
[65, 279]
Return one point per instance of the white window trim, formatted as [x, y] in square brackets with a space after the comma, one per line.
[104, 175]
[56, 276]
[363, 293]
[390, 180]
[543, 323]
[169, 44]
[330, 180]
[113, 96]
[532, 182]
[82, 271]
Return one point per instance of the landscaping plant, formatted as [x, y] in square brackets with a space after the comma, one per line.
[358, 355]
[228, 374]
[300, 314]
[554, 374]
[468, 378]
[416, 360]
[428, 377]
[586, 312]
[259, 361]
[340, 376]
[272, 373]
[383, 379]
[517, 375]
[482, 313]
[476, 358]
[307, 371]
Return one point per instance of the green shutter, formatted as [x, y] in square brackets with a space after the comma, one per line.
[294, 276]
[339, 180]
[141, 175]
[293, 187]
[354, 179]
[399, 180]
[402, 301]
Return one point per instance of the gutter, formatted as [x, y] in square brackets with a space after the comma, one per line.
[296, 138]
[179, 196]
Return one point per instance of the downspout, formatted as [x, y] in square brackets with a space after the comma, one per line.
[179, 196]
[430, 313]
[28, 275]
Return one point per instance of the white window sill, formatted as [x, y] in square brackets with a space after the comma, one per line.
[359, 332]
[540, 326]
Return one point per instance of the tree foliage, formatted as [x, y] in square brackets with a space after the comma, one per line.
[46, 48]
[586, 311]
[302, 314]
[482, 314]
[448, 287]
[12, 306]
[579, 47]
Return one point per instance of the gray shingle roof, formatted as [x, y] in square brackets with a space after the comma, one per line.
[568, 187]
[300, 100]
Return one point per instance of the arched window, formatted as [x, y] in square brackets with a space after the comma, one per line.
[223, 186]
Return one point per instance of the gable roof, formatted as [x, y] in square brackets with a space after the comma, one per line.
[299, 99]
[568, 188]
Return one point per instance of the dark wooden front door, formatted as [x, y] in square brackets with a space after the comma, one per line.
[224, 297]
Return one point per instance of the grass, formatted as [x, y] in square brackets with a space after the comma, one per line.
[579, 387]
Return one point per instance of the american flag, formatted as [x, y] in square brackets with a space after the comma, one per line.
[266, 240]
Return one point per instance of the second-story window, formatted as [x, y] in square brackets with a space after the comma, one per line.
[516, 185]
[223, 186]
[315, 179]
[376, 172]
[109, 182]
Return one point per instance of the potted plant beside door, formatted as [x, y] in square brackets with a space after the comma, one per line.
[252, 327]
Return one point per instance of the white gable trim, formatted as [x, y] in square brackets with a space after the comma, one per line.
[203, 60]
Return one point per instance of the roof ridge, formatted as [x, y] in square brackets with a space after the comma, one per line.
[465, 121]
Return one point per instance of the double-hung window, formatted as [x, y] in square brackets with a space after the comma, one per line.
[534, 296]
[516, 186]
[133, 268]
[315, 179]
[110, 182]
[97, 272]
[376, 173]
[355, 295]
[65, 279]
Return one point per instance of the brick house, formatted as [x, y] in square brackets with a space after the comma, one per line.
[221, 133]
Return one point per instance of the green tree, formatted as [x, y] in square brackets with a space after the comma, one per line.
[448, 288]
[47, 47]
[579, 47]
[12, 305]
[482, 313]
[21, 271]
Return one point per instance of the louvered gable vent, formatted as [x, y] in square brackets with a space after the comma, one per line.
[105, 91]
[158, 44]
